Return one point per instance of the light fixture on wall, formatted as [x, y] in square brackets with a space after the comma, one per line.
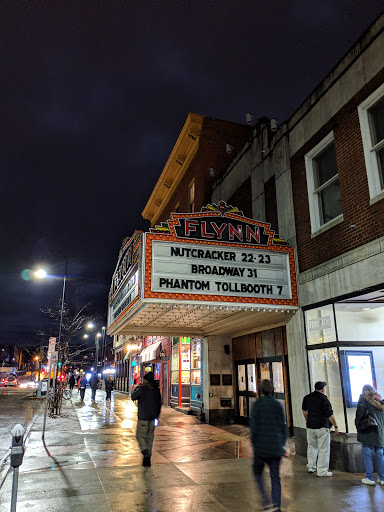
[162, 353]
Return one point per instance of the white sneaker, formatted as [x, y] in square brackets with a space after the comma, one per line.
[328, 473]
[367, 481]
[381, 482]
[311, 470]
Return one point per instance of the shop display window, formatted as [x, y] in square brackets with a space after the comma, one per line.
[359, 321]
[175, 358]
[196, 377]
[156, 371]
[185, 377]
[175, 378]
[196, 355]
[360, 365]
[320, 325]
[324, 366]
[185, 357]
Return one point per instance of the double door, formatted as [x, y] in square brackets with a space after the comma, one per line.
[250, 375]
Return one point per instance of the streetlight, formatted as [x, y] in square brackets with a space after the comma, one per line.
[98, 335]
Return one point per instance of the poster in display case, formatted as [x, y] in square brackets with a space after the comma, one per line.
[357, 369]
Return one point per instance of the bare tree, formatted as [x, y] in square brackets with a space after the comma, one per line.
[75, 319]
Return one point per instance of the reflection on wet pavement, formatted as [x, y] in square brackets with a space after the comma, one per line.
[93, 463]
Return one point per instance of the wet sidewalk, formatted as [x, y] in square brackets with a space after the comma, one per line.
[92, 463]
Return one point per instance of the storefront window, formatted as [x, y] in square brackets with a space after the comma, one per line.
[175, 358]
[320, 325]
[196, 362]
[185, 357]
[324, 366]
[359, 321]
[360, 365]
[196, 377]
[185, 377]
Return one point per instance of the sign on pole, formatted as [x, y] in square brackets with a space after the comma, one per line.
[52, 345]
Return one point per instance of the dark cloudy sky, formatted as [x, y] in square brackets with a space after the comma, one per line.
[93, 95]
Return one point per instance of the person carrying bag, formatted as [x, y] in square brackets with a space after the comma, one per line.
[369, 423]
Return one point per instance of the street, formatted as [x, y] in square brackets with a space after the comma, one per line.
[91, 462]
[16, 406]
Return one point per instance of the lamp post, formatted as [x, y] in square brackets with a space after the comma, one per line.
[41, 274]
[98, 335]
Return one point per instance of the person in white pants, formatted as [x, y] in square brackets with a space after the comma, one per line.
[318, 414]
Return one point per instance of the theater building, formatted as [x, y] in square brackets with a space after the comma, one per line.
[311, 191]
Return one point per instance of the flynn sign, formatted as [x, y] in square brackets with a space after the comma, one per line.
[214, 256]
[218, 255]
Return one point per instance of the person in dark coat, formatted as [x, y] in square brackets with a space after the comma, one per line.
[71, 382]
[371, 401]
[268, 436]
[109, 386]
[94, 382]
[149, 406]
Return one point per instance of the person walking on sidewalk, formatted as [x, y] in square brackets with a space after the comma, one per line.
[318, 414]
[371, 437]
[94, 382]
[82, 386]
[148, 410]
[71, 382]
[109, 386]
[268, 436]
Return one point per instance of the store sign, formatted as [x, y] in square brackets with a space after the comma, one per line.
[319, 324]
[125, 282]
[218, 255]
[214, 270]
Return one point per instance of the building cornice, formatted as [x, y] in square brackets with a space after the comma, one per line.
[178, 162]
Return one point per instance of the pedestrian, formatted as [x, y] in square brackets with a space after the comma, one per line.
[149, 405]
[268, 436]
[94, 382]
[109, 386]
[318, 414]
[370, 402]
[78, 382]
[82, 386]
[71, 382]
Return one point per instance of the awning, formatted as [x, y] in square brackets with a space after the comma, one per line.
[151, 352]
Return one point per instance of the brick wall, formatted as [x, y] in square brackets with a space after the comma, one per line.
[211, 154]
[368, 219]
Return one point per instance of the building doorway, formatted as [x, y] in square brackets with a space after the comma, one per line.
[246, 389]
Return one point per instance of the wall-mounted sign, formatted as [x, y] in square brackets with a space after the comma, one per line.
[219, 256]
[125, 282]
[215, 270]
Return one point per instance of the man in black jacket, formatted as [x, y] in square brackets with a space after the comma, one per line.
[318, 413]
[149, 405]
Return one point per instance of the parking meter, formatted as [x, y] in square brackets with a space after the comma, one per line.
[17, 451]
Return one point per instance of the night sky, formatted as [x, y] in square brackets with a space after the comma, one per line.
[93, 95]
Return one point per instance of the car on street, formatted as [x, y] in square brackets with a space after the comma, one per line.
[8, 381]
[29, 384]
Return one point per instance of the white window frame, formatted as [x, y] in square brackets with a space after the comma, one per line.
[376, 192]
[313, 192]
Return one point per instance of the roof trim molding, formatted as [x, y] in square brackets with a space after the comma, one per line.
[178, 162]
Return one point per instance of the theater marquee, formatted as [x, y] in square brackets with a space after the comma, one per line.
[218, 255]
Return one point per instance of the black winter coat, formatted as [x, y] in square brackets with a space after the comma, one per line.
[149, 402]
[109, 385]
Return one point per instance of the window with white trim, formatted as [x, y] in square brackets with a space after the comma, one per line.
[323, 184]
[371, 115]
